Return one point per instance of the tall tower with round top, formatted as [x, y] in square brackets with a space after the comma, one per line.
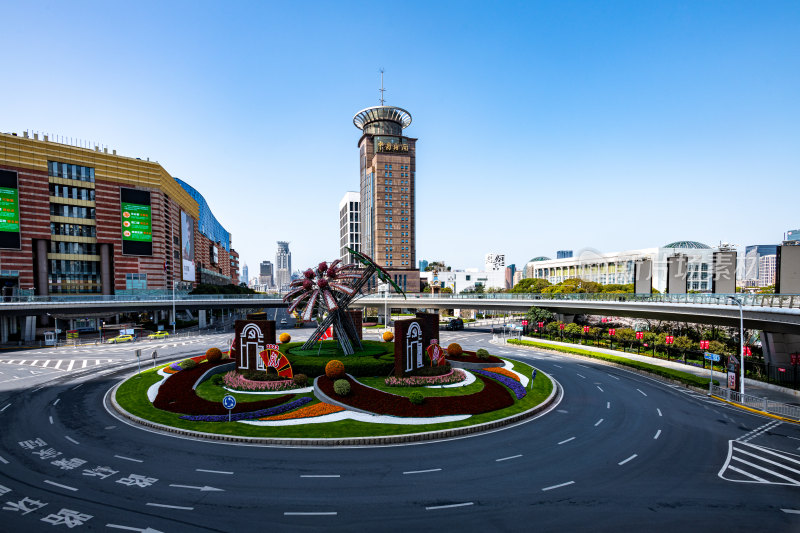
[388, 172]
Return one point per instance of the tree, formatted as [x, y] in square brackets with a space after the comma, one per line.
[530, 285]
[572, 330]
[537, 314]
[626, 335]
[683, 344]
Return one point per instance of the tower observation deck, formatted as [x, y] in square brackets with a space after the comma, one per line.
[382, 120]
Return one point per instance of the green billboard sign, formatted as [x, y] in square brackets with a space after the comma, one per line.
[9, 209]
[136, 222]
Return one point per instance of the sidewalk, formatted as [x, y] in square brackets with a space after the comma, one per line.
[752, 387]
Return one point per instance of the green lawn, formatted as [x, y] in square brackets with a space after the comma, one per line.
[132, 396]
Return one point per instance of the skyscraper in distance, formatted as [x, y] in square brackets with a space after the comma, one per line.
[387, 163]
[283, 266]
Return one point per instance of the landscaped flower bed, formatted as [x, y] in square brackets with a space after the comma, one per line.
[309, 411]
[471, 357]
[236, 381]
[519, 390]
[454, 376]
[503, 371]
[175, 367]
[177, 396]
[250, 414]
[492, 398]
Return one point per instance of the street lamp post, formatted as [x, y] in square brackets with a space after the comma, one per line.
[741, 343]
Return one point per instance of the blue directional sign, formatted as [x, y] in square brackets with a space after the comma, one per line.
[712, 357]
[229, 402]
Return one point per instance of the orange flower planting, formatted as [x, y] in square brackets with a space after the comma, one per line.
[388, 336]
[334, 369]
[498, 370]
[309, 411]
[284, 338]
[454, 349]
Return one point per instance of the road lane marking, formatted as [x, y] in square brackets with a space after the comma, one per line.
[320, 475]
[598, 386]
[318, 513]
[507, 458]
[170, 506]
[51, 419]
[612, 376]
[558, 486]
[84, 363]
[748, 474]
[452, 505]
[643, 393]
[46, 363]
[659, 411]
[128, 459]
[73, 489]
[631, 458]
[76, 386]
[598, 422]
[73, 441]
[565, 441]
[4, 408]
[3, 460]
[71, 362]
[34, 362]
[422, 471]
[791, 511]
[608, 405]
[557, 366]
[58, 365]
[213, 471]
[658, 434]
[56, 402]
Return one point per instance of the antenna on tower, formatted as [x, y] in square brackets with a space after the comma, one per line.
[382, 90]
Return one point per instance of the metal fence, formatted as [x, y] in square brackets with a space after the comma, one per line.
[763, 404]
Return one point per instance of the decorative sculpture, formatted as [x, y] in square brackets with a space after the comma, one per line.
[327, 291]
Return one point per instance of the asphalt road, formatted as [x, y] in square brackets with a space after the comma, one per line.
[619, 451]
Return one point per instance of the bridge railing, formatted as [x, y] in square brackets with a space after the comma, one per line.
[790, 301]
[762, 404]
[147, 297]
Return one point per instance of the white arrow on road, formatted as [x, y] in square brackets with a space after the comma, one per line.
[128, 528]
[202, 489]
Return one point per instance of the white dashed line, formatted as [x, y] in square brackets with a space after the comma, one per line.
[128, 459]
[631, 458]
[615, 377]
[60, 485]
[557, 366]
[320, 513]
[581, 376]
[791, 511]
[659, 411]
[465, 504]
[507, 458]
[643, 393]
[213, 471]
[320, 475]
[4, 408]
[170, 506]
[608, 405]
[51, 419]
[73, 441]
[76, 386]
[3, 460]
[566, 441]
[658, 434]
[599, 422]
[598, 386]
[558, 486]
[422, 471]
[56, 402]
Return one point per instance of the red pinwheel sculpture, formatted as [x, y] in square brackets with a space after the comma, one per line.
[327, 290]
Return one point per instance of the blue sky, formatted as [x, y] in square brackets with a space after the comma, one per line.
[541, 125]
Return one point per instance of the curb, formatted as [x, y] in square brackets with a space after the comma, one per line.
[555, 394]
[472, 366]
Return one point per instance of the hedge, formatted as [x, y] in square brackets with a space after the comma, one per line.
[683, 377]
[377, 359]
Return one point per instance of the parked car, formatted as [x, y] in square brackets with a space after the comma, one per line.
[120, 338]
[455, 324]
[158, 335]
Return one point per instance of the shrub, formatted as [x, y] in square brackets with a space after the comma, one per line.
[334, 369]
[301, 380]
[284, 338]
[226, 356]
[416, 398]
[454, 349]
[341, 387]
[213, 354]
[216, 379]
[388, 336]
[482, 354]
[186, 364]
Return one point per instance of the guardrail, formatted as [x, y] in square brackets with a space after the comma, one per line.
[762, 404]
[791, 301]
[148, 297]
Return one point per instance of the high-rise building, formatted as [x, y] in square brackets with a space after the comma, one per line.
[423, 264]
[563, 254]
[793, 235]
[266, 274]
[752, 262]
[767, 265]
[283, 266]
[349, 226]
[245, 274]
[510, 271]
[387, 181]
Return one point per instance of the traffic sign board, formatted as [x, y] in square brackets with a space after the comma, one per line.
[712, 356]
[229, 402]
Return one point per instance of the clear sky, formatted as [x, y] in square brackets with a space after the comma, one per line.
[541, 125]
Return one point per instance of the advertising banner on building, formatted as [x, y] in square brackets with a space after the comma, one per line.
[136, 221]
[9, 210]
[187, 246]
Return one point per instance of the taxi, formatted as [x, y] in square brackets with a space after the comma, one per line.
[120, 338]
[158, 335]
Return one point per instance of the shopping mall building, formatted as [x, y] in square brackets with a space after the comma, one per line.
[77, 220]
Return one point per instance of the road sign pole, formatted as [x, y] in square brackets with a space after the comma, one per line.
[139, 360]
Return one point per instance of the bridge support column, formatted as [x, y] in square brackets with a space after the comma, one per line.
[201, 318]
[4, 329]
[29, 331]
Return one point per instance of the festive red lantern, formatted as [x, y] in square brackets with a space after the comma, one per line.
[562, 326]
[612, 332]
[704, 345]
[541, 324]
[603, 320]
[586, 329]
[669, 339]
[748, 351]
[639, 335]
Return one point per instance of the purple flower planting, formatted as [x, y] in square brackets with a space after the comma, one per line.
[252, 414]
[514, 385]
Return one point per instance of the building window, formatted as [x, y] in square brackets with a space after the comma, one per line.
[135, 281]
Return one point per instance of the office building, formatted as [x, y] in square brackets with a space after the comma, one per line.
[245, 275]
[511, 270]
[767, 267]
[563, 254]
[266, 274]
[749, 273]
[83, 220]
[349, 226]
[283, 266]
[387, 163]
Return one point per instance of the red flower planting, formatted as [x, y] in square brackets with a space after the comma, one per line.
[177, 396]
[493, 397]
[471, 357]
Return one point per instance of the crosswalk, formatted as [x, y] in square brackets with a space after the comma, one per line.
[750, 463]
[65, 365]
[113, 348]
